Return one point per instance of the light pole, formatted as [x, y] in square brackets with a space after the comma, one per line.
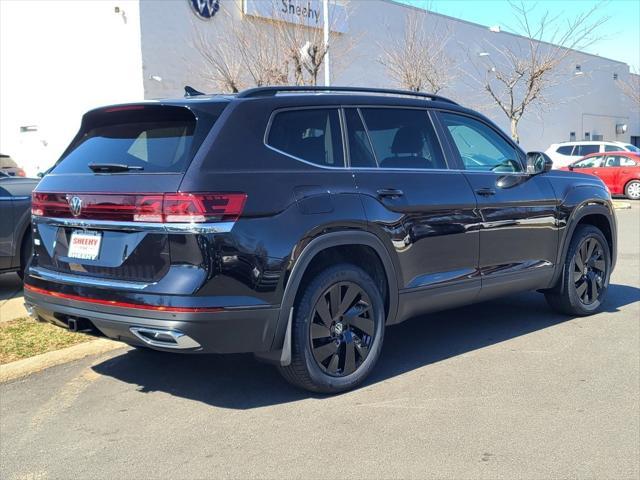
[325, 18]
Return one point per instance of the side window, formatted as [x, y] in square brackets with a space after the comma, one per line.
[612, 161]
[565, 150]
[312, 135]
[360, 150]
[627, 162]
[583, 150]
[403, 138]
[480, 147]
[611, 148]
[591, 162]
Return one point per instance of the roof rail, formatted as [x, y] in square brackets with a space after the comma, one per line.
[274, 90]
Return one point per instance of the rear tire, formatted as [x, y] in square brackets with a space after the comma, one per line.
[632, 190]
[337, 331]
[584, 281]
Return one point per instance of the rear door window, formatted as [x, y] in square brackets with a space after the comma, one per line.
[583, 150]
[591, 162]
[312, 135]
[403, 138]
[565, 150]
[360, 150]
[149, 140]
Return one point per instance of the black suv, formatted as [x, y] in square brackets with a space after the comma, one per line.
[297, 223]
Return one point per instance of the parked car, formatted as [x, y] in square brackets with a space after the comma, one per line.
[298, 222]
[565, 153]
[9, 167]
[15, 231]
[620, 171]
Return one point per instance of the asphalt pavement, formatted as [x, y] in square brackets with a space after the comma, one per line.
[503, 389]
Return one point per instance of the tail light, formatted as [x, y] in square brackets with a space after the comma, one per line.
[20, 173]
[152, 207]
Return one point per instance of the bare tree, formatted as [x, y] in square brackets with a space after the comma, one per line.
[419, 60]
[221, 59]
[518, 74]
[631, 88]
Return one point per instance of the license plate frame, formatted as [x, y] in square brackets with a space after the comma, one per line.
[84, 245]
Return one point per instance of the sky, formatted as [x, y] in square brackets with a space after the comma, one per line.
[621, 32]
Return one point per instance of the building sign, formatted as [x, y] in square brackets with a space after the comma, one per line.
[302, 12]
[205, 8]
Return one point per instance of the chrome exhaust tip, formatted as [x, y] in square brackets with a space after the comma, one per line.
[164, 338]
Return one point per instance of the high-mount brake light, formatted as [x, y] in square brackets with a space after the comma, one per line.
[124, 108]
[146, 207]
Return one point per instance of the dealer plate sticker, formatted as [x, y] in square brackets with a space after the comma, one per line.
[85, 245]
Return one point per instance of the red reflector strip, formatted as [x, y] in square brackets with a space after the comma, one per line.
[113, 303]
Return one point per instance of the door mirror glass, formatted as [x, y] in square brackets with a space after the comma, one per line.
[538, 162]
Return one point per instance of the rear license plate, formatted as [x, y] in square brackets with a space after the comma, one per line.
[84, 244]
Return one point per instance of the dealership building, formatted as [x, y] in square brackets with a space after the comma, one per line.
[62, 58]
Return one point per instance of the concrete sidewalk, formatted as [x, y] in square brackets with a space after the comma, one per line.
[11, 299]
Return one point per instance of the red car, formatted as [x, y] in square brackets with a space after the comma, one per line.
[620, 171]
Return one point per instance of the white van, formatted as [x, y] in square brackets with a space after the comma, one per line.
[565, 153]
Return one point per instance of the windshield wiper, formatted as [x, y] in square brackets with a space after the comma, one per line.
[113, 167]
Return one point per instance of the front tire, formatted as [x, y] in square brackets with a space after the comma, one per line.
[632, 190]
[337, 331]
[585, 279]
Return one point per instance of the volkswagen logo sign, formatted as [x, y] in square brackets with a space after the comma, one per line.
[75, 205]
[205, 8]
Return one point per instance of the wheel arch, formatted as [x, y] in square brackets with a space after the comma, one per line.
[593, 213]
[281, 345]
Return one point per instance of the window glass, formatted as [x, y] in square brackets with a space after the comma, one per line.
[611, 148]
[403, 138]
[565, 150]
[591, 162]
[583, 150]
[480, 147]
[612, 161]
[313, 135]
[360, 151]
[631, 148]
[627, 162]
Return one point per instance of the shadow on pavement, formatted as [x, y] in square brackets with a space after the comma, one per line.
[10, 286]
[240, 382]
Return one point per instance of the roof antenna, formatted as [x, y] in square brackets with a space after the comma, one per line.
[191, 92]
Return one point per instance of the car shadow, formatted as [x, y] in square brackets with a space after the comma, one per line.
[240, 382]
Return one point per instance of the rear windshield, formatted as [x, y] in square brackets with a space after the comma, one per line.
[149, 140]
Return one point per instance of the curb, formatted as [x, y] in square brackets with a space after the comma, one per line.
[28, 366]
[618, 205]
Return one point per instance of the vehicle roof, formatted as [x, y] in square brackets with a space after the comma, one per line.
[622, 153]
[591, 142]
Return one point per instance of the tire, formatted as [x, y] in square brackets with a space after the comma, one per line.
[632, 190]
[582, 289]
[330, 355]
[25, 253]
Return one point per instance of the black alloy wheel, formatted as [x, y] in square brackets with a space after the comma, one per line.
[589, 270]
[342, 329]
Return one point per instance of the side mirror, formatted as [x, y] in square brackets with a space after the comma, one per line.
[570, 167]
[538, 162]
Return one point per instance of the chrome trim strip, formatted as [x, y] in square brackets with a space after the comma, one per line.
[181, 340]
[202, 228]
[88, 281]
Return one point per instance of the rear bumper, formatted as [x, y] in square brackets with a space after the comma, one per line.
[234, 330]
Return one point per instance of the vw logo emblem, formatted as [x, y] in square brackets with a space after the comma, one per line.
[205, 8]
[75, 205]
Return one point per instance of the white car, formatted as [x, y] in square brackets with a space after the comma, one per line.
[566, 153]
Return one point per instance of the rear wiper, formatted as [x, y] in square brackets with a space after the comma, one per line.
[113, 167]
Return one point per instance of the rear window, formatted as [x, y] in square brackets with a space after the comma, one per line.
[149, 140]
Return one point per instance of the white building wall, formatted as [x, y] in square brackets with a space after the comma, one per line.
[59, 59]
[591, 102]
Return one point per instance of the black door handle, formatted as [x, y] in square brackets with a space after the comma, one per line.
[485, 192]
[390, 192]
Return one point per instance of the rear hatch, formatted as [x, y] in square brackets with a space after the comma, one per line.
[100, 212]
